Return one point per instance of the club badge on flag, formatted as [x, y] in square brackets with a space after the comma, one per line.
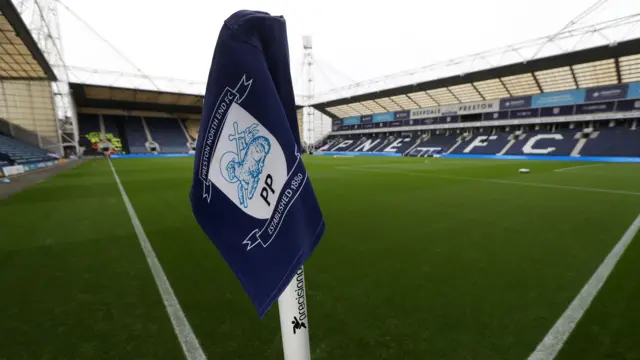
[251, 193]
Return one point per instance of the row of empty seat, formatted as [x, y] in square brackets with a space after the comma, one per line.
[13, 151]
[605, 141]
[135, 134]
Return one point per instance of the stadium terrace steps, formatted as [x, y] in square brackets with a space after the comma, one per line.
[146, 130]
[167, 133]
[20, 152]
[184, 130]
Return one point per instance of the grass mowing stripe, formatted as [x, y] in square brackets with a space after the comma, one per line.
[556, 337]
[187, 338]
[577, 167]
[580, 188]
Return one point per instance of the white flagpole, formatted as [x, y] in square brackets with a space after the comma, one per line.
[294, 320]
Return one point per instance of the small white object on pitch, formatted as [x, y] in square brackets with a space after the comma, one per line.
[524, 171]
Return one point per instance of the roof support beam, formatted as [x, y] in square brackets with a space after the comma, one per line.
[624, 48]
[10, 12]
[376, 101]
[535, 78]
[351, 107]
[432, 99]
[618, 77]
[573, 75]
[366, 107]
[413, 102]
[479, 93]
[398, 105]
[505, 87]
[454, 95]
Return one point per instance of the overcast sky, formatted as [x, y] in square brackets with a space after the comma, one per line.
[353, 39]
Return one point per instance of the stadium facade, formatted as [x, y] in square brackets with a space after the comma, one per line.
[577, 103]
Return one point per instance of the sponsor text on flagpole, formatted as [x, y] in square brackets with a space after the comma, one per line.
[294, 319]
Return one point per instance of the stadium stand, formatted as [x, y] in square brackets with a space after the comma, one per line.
[526, 108]
[369, 144]
[139, 120]
[397, 145]
[616, 141]
[193, 127]
[484, 143]
[89, 133]
[18, 152]
[111, 132]
[434, 144]
[136, 134]
[544, 142]
[553, 139]
[327, 143]
[345, 145]
[168, 133]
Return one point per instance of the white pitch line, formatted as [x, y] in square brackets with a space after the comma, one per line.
[559, 333]
[498, 181]
[188, 341]
[578, 167]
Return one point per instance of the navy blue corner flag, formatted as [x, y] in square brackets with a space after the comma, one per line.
[250, 193]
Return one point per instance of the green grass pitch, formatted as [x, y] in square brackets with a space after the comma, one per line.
[422, 259]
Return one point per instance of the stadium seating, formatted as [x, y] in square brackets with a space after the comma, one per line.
[370, 143]
[483, 143]
[89, 132]
[111, 133]
[20, 152]
[167, 133]
[396, 145]
[327, 143]
[5, 160]
[544, 142]
[110, 125]
[135, 134]
[357, 142]
[617, 141]
[434, 144]
[345, 145]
